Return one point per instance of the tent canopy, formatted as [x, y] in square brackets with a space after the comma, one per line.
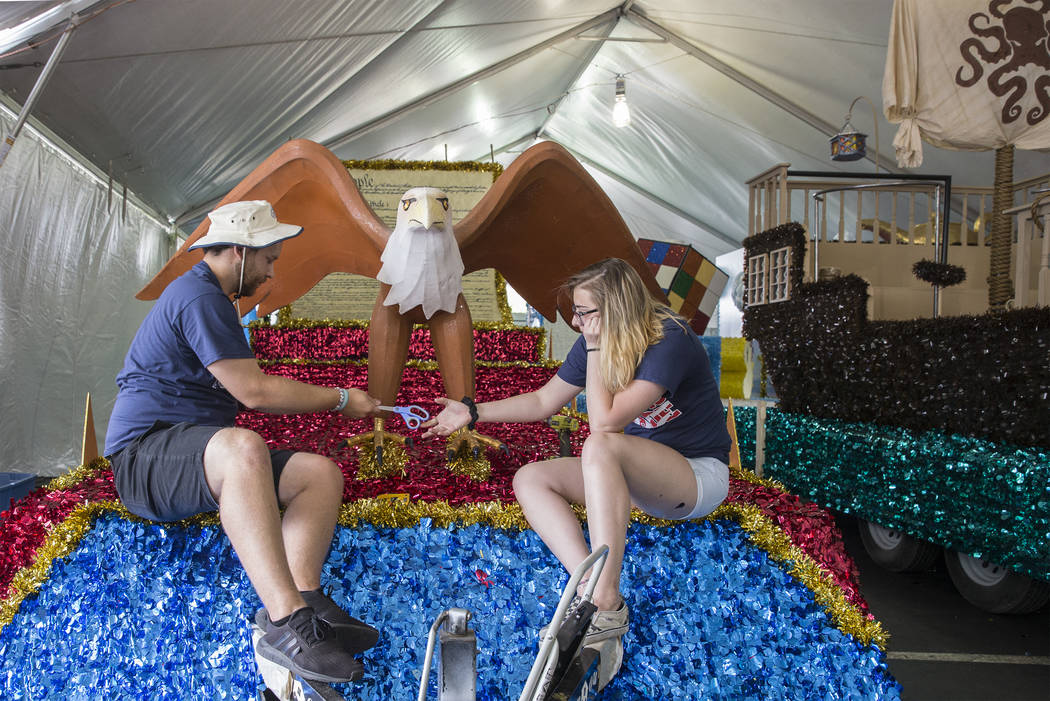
[179, 99]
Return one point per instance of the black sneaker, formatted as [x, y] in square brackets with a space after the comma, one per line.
[305, 644]
[355, 636]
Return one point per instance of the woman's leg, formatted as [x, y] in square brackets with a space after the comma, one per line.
[545, 490]
[614, 471]
[619, 470]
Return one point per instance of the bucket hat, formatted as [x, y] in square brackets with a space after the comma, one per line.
[252, 224]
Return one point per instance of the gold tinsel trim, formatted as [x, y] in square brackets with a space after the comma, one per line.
[77, 475]
[284, 316]
[769, 537]
[64, 538]
[477, 468]
[749, 476]
[298, 322]
[393, 164]
[397, 513]
[761, 531]
[394, 460]
[502, 304]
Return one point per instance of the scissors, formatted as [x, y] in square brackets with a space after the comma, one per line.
[412, 415]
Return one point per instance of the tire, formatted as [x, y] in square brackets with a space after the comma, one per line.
[993, 588]
[896, 551]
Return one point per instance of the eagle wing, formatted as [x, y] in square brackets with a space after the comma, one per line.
[307, 185]
[544, 219]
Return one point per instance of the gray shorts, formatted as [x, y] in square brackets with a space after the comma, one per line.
[160, 474]
[712, 485]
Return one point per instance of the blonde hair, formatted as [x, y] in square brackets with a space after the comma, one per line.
[631, 319]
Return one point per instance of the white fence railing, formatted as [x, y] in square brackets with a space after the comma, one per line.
[882, 213]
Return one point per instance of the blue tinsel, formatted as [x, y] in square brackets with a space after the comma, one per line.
[154, 612]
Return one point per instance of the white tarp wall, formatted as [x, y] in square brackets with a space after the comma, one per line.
[69, 271]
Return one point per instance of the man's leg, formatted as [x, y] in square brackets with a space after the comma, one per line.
[311, 490]
[173, 472]
[238, 471]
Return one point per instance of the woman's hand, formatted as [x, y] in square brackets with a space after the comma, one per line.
[453, 417]
[591, 329]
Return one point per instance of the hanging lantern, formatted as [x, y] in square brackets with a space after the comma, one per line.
[848, 144]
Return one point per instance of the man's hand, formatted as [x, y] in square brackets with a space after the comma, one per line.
[453, 417]
[359, 405]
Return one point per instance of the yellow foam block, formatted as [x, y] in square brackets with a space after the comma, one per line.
[737, 368]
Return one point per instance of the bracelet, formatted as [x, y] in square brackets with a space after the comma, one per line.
[591, 350]
[344, 397]
[473, 408]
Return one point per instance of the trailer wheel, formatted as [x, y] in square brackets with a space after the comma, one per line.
[896, 551]
[993, 588]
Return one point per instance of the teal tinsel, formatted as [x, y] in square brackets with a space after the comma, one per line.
[972, 495]
[744, 416]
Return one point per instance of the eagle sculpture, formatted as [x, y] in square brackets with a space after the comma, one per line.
[542, 220]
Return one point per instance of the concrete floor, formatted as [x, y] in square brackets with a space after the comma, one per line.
[941, 647]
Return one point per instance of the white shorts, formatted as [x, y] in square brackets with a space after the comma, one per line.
[712, 485]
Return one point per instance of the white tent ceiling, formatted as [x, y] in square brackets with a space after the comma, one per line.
[179, 99]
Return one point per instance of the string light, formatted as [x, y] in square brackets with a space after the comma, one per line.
[621, 113]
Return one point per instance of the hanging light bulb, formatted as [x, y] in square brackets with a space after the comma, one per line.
[621, 113]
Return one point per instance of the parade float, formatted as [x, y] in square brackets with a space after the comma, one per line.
[904, 319]
[759, 599]
[902, 399]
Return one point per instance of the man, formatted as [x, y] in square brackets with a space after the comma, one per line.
[176, 452]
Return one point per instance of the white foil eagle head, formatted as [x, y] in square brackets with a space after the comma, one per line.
[421, 260]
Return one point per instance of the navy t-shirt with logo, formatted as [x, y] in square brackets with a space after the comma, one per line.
[165, 375]
[689, 417]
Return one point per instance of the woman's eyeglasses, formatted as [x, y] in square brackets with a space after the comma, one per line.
[582, 313]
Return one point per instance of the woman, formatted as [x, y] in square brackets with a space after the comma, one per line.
[657, 439]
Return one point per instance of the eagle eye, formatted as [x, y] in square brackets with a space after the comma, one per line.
[444, 202]
[406, 203]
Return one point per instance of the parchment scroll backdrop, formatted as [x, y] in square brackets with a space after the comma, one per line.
[968, 75]
[350, 297]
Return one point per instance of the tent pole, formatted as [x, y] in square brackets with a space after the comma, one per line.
[38, 87]
[663, 203]
[751, 84]
[445, 91]
[583, 64]
[510, 144]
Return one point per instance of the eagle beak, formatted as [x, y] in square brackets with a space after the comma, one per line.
[427, 211]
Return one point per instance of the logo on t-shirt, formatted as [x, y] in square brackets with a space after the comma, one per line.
[658, 414]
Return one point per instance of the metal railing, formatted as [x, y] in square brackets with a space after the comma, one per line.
[901, 216]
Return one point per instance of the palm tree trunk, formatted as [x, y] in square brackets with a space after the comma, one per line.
[1000, 287]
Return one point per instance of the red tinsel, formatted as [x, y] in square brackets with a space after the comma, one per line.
[24, 528]
[427, 477]
[351, 343]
